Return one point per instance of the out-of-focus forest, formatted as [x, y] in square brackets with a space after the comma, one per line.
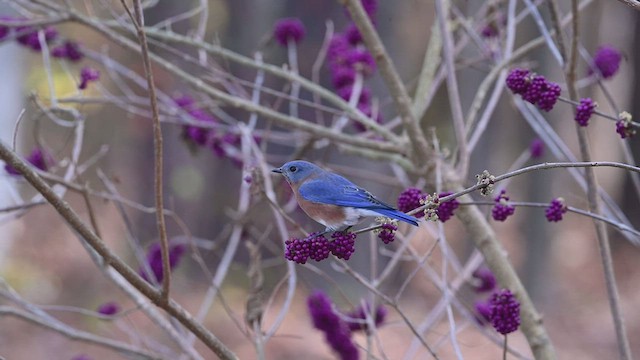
[225, 216]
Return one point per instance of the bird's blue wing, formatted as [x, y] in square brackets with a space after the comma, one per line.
[333, 189]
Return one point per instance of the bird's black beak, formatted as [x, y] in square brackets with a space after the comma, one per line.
[277, 170]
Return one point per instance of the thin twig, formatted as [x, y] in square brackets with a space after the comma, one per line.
[138, 22]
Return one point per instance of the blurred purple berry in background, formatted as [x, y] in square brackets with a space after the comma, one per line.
[109, 308]
[361, 314]
[536, 149]
[38, 158]
[288, 29]
[486, 280]
[154, 260]
[87, 75]
[606, 60]
[336, 331]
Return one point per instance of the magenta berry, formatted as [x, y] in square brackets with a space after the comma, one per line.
[502, 210]
[584, 111]
[343, 244]
[288, 29]
[409, 200]
[556, 209]
[446, 208]
[505, 312]
[387, 232]
[606, 61]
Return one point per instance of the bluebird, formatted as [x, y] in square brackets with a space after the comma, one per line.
[332, 200]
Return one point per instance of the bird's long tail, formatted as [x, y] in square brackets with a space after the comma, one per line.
[398, 215]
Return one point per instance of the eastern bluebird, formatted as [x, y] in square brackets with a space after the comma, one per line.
[332, 200]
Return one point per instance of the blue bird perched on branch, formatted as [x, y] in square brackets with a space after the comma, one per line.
[332, 200]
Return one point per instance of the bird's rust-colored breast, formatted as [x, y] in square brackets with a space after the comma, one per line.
[331, 216]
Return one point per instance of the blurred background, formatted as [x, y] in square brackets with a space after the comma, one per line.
[44, 262]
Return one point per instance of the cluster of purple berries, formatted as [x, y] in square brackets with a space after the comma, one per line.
[502, 209]
[502, 310]
[555, 210]
[154, 261]
[624, 127]
[288, 30]
[336, 331]
[317, 247]
[348, 57]
[28, 36]
[387, 232]
[584, 110]
[360, 314]
[412, 198]
[606, 61]
[38, 158]
[222, 144]
[533, 88]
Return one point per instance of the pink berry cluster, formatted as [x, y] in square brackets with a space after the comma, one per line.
[533, 88]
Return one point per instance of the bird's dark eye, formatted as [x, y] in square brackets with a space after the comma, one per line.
[293, 168]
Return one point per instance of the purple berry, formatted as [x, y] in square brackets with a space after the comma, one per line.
[502, 210]
[289, 29]
[584, 111]
[606, 61]
[386, 233]
[445, 209]
[556, 209]
[409, 200]
[343, 244]
[505, 312]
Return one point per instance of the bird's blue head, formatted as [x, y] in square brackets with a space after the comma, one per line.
[296, 171]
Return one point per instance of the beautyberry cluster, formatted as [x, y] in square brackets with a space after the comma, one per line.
[154, 261]
[409, 199]
[556, 209]
[486, 280]
[584, 111]
[502, 210]
[533, 88]
[288, 29]
[347, 57]
[222, 144]
[606, 61]
[336, 331]
[317, 247]
[109, 308]
[360, 315]
[623, 125]
[505, 312]
[386, 233]
[38, 158]
[29, 36]
[446, 208]
[87, 75]
[536, 149]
